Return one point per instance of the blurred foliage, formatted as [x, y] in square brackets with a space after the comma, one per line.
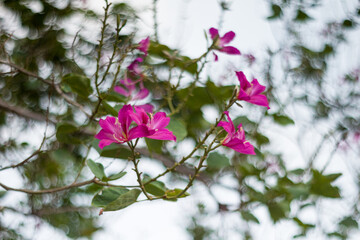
[79, 68]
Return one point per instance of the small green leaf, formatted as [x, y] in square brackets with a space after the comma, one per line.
[282, 119]
[321, 185]
[107, 196]
[123, 200]
[349, 222]
[96, 168]
[301, 16]
[348, 23]
[249, 217]
[172, 193]
[109, 109]
[79, 84]
[217, 161]
[112, 151]
[115, 97]
[155, 188]
[115, 176]
[276, 12]
[178, 128]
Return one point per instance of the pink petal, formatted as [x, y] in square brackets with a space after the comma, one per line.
[122, 91]
[124, 117]
[163, 134]
[243, 95]
[143, 93]
[138, 132]
[140, 116]
[245, 148]
[230, 50]
[213, 33]
[103, 143]
[144, 45]
[147, 107]
[244, 83]
[260, 100]
[257, 88]
[228, 37]
[228, 126]
[216, 58]
[108, 125]
[159, 120]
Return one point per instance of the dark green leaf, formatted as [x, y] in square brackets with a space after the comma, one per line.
[178, 128]
[123, 200]
[301, 16]
[96, 168]
[107, 196]
[349, 222]
[217, 161]
[249, 217]
[276, 12]
[79, 84]
[155, 188]
[348, 23]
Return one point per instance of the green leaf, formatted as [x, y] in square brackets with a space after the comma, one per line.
[154, 145]
[178, 128]
[321, 185]
[301, 16]
[112, 151]
[172, 193]
[278, 210]
[78, 84]
[109, 109]
[349, 222]
[2, 193]
[217, 161]
[115, 97]
[276, 12]
[299, 190]
[96, 168]
[348, 23]
[282, 119]
[115, 176]
[123, 200]
[107, 196]
[261, 139]
[249, 217]
[155, 188]
[65, 133]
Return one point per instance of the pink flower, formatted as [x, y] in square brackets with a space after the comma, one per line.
[117, 130]
[221, 41]
[251, 92]
[144, 45]
[155, 124]
[235, 139]
[128, 89]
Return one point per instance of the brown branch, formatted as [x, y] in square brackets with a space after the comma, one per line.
[23, 112]
[52, 190]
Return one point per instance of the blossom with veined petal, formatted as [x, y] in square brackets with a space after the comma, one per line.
[221, 41]
[117, 130]
[251, 92]
[235, 139]
[155, 123]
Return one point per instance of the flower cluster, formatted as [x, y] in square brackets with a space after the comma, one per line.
[132, 85]
[119, 130]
